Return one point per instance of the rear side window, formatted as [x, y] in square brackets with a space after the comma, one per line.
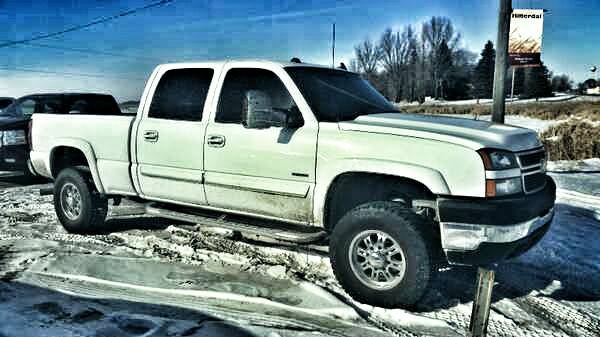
[180, 94]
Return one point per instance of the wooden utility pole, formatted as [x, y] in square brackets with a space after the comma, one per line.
[501, 61]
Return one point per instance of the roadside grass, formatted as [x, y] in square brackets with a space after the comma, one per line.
[573, 140]
[541, 110]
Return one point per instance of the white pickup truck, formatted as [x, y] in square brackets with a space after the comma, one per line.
[304, 153]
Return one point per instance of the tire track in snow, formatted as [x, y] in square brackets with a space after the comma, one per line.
[221, 305]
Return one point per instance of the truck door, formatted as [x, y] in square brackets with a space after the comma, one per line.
[170, 134]
[253, 162]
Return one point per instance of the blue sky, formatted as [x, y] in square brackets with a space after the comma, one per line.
[187, 30]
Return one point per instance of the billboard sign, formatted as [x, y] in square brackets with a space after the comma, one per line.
[525, 39]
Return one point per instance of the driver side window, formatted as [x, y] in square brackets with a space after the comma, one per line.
[255, 98]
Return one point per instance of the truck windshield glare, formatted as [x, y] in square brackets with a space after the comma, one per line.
[336, 95]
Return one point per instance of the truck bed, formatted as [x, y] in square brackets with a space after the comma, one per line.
[108, 136]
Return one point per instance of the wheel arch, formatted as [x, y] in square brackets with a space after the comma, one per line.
[69, 152]
[372, 177]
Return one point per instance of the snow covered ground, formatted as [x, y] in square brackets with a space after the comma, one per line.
[151, 277]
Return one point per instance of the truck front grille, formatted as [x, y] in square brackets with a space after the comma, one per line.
[533, 168]
[532, 158]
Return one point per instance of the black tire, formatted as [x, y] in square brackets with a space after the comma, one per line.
[411, 232]
[93, 205]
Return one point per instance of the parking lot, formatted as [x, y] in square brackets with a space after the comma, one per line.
[147, 276]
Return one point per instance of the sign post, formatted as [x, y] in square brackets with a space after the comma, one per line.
[482, 302]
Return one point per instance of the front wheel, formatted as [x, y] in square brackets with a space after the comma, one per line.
[78, 205]
[381, 254]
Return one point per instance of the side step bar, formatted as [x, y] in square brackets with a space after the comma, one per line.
[270, 229]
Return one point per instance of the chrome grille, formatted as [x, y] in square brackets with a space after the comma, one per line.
[533, 170]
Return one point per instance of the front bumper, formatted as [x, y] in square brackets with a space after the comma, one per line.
[478, 231]
[14, 158]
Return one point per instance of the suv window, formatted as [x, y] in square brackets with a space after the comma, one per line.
[85, 104]
[4, 102]
[52, 106]
[180, 94]
[254, 97]
[27, 107]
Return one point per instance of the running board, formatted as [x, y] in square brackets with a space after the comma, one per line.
[270, 229]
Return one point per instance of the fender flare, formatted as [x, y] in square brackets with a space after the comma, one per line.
[429, 177]
[88, 152]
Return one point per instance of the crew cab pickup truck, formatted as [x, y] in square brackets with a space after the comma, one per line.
[305, 153]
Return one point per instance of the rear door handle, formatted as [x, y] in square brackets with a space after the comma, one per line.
[151, 135]
[216, 141]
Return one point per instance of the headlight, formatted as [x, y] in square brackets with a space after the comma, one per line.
[498, 159]
[14, 137]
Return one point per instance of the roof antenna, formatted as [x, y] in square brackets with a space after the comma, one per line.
[295, 60]
[333, 48]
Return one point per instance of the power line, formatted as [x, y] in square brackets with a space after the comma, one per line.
[95, 52]
[87, 25]
[42, 71]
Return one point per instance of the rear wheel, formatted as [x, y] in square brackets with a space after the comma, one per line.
[381, 253]
[79, 206]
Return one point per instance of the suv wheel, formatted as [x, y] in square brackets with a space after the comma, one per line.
[381, 253]
[78, 205]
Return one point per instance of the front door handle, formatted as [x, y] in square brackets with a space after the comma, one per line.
[151, 135]
[216, 141]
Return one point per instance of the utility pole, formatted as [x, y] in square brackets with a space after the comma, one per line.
[501, 61]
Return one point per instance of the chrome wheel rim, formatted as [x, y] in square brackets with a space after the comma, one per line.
[377, 260]
[70, 201]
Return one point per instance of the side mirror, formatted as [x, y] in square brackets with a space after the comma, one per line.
[293, 118]
[257, 110]
[256, 122]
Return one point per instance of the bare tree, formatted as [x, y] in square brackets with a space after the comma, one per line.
[438, 33]
[414, 64]
[367, 57]
[395, 54]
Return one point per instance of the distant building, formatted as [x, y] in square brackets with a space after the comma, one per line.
[593, 91]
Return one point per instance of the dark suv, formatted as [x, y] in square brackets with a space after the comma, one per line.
[15, 119]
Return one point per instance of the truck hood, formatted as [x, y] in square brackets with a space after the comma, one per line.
[12, 123]
[475, 134]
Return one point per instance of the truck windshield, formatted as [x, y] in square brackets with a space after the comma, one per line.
[11, 110]
[337, 95]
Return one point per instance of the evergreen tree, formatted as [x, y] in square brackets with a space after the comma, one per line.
[537, 82]
[483, 75]
[561, 83]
